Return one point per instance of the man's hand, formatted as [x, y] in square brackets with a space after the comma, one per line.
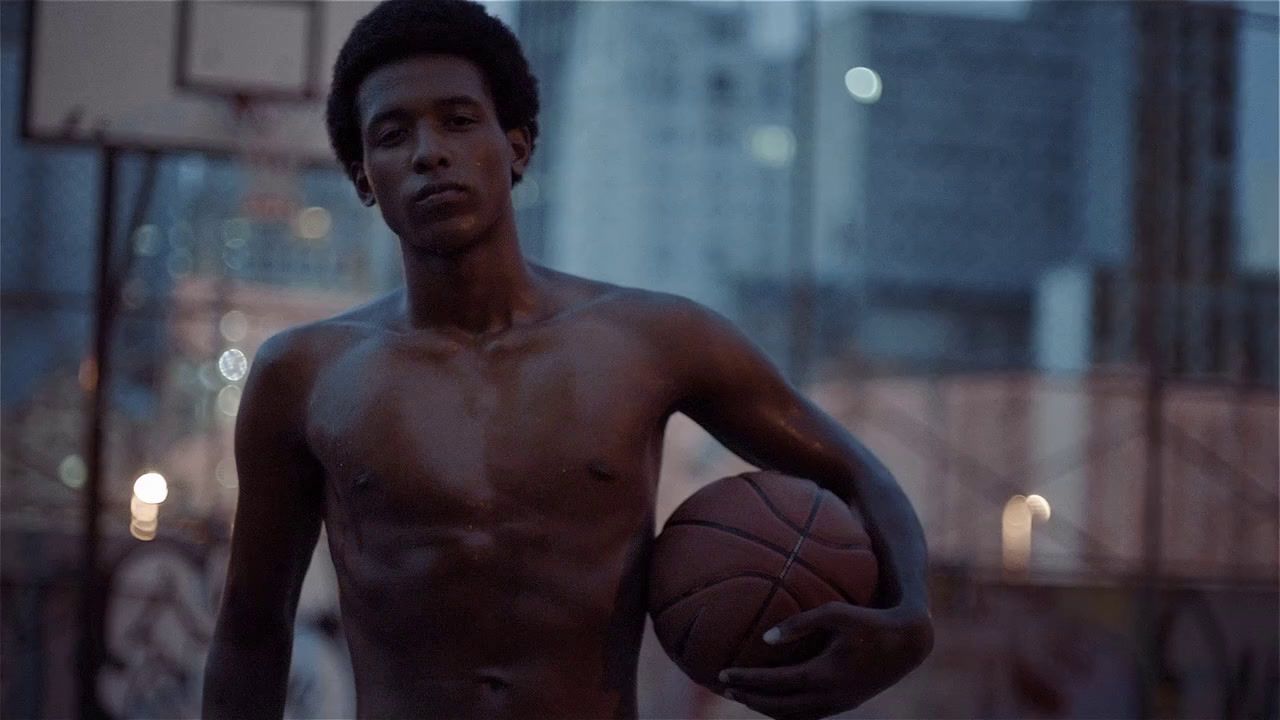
[867, 650]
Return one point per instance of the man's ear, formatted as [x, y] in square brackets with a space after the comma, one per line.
[363, 189]
[521, 149]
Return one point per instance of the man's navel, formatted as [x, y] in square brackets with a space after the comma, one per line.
[601, 472]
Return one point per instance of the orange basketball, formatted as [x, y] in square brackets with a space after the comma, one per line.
[745, 553]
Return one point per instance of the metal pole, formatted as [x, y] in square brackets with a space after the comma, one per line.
[801, 280]
[88, 655]
[1158, 129]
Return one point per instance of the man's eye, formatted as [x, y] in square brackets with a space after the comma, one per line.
[461, 121]
[390, 136]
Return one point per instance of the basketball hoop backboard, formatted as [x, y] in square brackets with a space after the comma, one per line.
[176, 75]
[263, 50]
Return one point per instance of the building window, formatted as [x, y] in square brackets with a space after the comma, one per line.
[723, 27]
[721, 87]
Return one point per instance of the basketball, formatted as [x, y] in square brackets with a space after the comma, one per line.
[745, 553]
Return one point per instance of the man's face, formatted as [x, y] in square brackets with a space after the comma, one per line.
[435, 157]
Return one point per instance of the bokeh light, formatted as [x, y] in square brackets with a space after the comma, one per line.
[144, 513]
[142, 533]
[146, 241]
[1015, 534]
[72, 471]
[229, 400]
[234, 326]
[312, 223]
[1039, 507]
[151, 487]
[233, 365]
[863, 84]
[772, 145]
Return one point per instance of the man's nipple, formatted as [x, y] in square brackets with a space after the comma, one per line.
[493, 682]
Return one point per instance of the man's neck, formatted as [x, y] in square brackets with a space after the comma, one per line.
[484, 290]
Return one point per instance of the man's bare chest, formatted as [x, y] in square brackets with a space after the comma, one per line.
[452, 435]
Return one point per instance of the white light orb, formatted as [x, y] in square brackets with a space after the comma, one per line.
[234, 325]
[72, 471]
[233, 365]
[229, 400]
[313, 223]
[1016, 513]
[863, 84]
[1039, 507]
[772, 145]
[151, 487]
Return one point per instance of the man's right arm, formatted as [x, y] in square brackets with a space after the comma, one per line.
[277, 522]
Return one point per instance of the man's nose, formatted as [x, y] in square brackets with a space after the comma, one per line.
[429, 151]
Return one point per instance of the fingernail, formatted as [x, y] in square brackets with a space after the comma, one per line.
[724, 676]
[773, 636]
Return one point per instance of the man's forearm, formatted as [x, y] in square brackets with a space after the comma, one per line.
[906, 559]
[247, 677]
[878, 497]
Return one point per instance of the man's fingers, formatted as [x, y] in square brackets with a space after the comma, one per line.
[769, 680]
[824, 617]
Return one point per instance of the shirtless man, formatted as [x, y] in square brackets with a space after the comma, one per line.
[483, 444]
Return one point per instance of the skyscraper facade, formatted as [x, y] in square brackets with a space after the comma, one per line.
[996, 151]
[668, 138]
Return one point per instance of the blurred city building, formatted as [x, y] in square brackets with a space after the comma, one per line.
[1004, 149]
[546, 31]
[972, 172]
[668, 140]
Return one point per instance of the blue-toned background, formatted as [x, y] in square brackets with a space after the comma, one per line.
[1020, 248]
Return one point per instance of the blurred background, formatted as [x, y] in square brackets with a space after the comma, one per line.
[1027, 251]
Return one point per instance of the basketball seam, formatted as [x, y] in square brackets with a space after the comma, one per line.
[712, 583]
[782, 575]
[737, 532]
[789, 523]
[683, 641]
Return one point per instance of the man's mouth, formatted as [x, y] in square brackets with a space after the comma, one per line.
[440, 193]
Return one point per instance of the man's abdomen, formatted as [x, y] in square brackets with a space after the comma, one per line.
[521, 619]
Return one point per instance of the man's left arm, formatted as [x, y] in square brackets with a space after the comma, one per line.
[733, 391]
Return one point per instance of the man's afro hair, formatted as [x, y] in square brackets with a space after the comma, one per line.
[400, 29]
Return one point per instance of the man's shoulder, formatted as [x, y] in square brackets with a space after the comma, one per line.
[694, 336]
[672, 322]
[298, 341]
[637, 308]
[693, 344]
[298, 350]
